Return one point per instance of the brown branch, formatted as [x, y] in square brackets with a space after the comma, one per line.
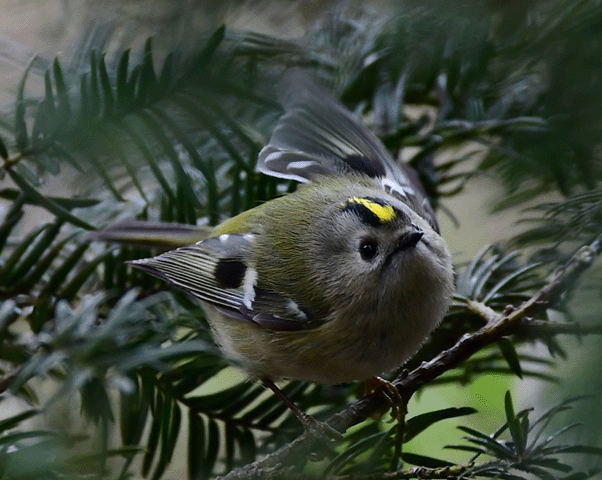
[498, 325]
[416, 472]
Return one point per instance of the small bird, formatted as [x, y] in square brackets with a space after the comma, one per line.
[339, 281]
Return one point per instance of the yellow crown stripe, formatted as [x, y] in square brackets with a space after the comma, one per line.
[384, 213]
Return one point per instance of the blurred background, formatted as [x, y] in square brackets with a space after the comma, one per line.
[496, 103]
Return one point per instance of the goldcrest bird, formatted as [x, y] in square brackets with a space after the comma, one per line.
[341, 280]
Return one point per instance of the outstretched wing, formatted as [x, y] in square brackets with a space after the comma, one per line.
[216, 271]
[318, 136]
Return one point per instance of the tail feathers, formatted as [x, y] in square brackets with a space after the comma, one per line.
[151, 234]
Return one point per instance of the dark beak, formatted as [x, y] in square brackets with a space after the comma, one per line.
[410, 239]
[407, 240]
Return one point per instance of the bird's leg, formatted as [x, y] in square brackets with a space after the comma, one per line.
[387, 391]
[310, 424]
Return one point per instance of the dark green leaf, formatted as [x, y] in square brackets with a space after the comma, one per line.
[19, 251]
[188, 196]
[124, 98]
[34, 254]
[174, 432]
[42, 313]
[189, 104]
[424, 461]
[129, 410]
[95, 402]
[4, 150]
[196, 447]
[346, 457]
[167, 73]
[541, 473]
[49, 106]
[509, 352]
[247, 399]
[482, 275]
[248, 447]
[419, 423]
[146, 395]
[155, 433]
[20, 125]
[15, 420]
[94, 89]
[518, 436]
[198, 66]
[60, 274]
[553, 464]
[147, 80]
[12, 217]
[65, 155]
[14, 438]
[213, 447]
[84, 98]
[66, 203]
[495, 448]
[107, 89]
[586, 449]
[59, 79]
[48, 164]
[111, 135]
[99, 166]
[266, 412]
[506, 281]
[230, 441]
[468, 448]
[40, 123]
[554, 436]
[222, 399]
[581, 475]
[202, 166]
[214, 41]
[64, 106]
[28, 174]
[150, 158]
[468, 276]
[169, 413]
[46, 202]
[132, 85]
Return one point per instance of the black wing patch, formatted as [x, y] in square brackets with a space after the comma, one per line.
[361, 164]
[230, 273]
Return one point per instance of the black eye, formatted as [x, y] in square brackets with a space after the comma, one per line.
[368, 249]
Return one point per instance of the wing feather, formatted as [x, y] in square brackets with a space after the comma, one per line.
[196, 270]
[318, 136]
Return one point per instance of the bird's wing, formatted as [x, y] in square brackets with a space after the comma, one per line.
[217, 271]
[318, 136]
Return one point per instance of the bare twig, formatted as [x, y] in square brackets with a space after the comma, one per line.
[416, 472]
